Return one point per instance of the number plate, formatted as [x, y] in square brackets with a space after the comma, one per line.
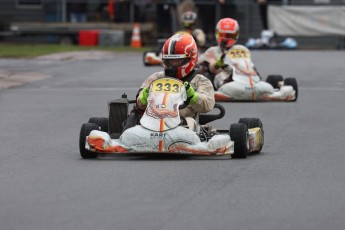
[166, 85]
[238, 53]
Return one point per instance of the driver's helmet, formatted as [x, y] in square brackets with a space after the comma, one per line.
[179, 55]
[189, 19]
[227, 33]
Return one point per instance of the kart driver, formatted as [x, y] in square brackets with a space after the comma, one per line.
[180, 55]
[189, 21]
[212, 61]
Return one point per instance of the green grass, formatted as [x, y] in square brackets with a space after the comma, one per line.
[34, 50]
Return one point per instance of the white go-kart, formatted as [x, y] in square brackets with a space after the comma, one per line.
[244, 84]
[162, 132]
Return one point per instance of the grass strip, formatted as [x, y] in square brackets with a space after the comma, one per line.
[35, 50]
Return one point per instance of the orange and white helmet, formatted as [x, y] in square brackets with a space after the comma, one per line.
[179, 55]
[227, 32]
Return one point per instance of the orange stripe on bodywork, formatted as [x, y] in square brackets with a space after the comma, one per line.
[221, 97]
[97, 144]
[161, 128]
[250, 81]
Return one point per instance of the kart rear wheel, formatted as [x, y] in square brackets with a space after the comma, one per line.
[239, 135]
[274, 80]
[84, 132]
[254, 123]
[101, 122]
[293, 82]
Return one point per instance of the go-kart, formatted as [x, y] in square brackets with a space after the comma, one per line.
[162, 132]
[243, 83]
[154, 57]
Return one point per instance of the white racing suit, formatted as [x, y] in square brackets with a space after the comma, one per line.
[210, 56]
[203, 87]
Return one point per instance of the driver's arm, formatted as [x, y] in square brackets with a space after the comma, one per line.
[204, 88]
[210, 57]
[146, 84]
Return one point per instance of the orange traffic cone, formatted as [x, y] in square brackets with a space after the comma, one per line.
[136, 40]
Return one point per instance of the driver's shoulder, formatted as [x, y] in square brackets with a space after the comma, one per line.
[211, 53]
[201, 79]
[239, 47]
[157, 75]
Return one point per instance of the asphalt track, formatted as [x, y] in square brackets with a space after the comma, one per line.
[297, 182]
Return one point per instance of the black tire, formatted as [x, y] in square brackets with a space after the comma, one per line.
[239, 135]
[84, 132]
[254, 123]
[274, 80]
[101, 122]
[145, 63]
[251, 122]
[293, 82]
[244, 120]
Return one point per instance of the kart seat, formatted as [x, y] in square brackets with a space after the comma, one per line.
[207, 118]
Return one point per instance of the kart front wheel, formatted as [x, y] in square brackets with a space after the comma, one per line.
[254, 123]
[292, 82]
[274, 80]
[101, 122]
[239, 135]
[84, 132]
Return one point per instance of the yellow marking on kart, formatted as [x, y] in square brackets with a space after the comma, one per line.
[166, 85]
[238, 53]
[259, 137]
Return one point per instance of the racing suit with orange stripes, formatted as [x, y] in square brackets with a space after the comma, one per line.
[213, 54]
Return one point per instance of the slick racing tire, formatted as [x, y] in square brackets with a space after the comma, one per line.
[254, 123]
[251, 122]
[293, 82]
[274, 80]
[101, 122]
[84, 132]
[239, 135]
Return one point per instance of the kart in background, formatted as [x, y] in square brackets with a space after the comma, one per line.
[154, 57]
[243, 83]
[162, 132]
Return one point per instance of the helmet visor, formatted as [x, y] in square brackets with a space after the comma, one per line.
[176, 62]
[227, 35]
